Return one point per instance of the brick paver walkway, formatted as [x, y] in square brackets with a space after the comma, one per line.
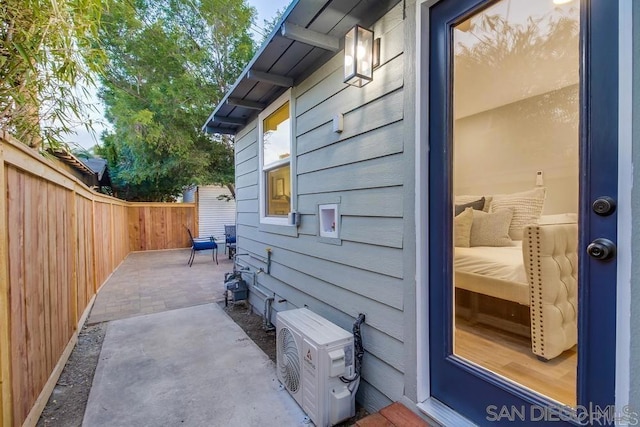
[151, 282]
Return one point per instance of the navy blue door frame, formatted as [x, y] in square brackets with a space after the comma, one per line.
[457, 383]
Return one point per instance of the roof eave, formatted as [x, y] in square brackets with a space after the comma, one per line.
[245, 72]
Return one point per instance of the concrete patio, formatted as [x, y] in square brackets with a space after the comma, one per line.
[171, 356]
[156, 281]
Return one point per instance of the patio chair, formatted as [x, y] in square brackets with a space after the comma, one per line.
[230, 239]
[202, 244]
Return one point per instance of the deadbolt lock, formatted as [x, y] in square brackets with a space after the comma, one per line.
[604, 206]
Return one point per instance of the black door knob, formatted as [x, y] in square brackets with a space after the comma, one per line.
[601, 249]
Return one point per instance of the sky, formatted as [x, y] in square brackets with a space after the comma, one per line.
[266, 10]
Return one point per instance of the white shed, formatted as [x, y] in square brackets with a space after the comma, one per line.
[214, 214]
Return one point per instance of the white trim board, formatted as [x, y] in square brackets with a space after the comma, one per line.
[625, 187]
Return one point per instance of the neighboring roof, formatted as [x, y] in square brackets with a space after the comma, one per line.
[66, 157]
[94, 170]
[97, 165]
[307, 35]
[100, 167]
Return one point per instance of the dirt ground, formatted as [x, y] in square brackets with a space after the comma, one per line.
[68, 400]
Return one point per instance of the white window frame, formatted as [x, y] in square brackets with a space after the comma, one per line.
[262, 196]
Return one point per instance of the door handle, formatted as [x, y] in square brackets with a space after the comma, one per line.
[602, 249]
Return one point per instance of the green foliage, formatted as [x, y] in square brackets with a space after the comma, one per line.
[508, 59]
[47, 56]
[170, 63]
[268, 25]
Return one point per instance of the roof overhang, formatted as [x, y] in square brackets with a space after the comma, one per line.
[66, 157]
[308, 34]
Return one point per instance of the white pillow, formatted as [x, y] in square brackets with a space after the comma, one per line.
[526, 205]
[491, 229]
[462, 228]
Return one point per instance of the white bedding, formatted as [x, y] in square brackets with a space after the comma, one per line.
[504, 262]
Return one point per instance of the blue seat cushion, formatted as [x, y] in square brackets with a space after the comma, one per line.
[231, 239]
[204, 245]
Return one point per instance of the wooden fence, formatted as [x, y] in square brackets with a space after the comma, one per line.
[59, 242]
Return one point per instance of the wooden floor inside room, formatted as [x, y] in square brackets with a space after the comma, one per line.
[510, 355]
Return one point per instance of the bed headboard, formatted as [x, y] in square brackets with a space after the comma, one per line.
[550, 253]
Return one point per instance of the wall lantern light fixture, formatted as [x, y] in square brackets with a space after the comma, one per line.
[361, 56]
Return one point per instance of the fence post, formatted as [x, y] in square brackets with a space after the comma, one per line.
[94, 261]
[76, 257]
[6, 401]
[113, 237]
[196, 219]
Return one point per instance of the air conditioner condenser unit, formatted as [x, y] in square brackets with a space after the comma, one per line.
[315, 363]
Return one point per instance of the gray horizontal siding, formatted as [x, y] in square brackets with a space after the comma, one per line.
[352, 97]
[377, 259]
[363, 170]
[383, 377]
[308, 225]
[375, 231]
[380, 316]
[386, 290]
[248, 218]
[373, 400]
[247, 205]
[381, 172]
[249, 152]
[386, 202]
[386, 348]
[247, 192]
[247, 180]
[246, 136]
[246, 167]
[377, 143]
[379, 113]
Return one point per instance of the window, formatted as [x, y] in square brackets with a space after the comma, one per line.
[275, 161]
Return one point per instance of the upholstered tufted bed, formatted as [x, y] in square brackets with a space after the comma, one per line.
[539, 272]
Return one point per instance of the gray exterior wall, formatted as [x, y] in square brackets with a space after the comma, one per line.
[364, 169]
[634, 400]
[368, 169]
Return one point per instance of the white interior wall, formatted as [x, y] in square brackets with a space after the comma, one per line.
[500, 150]
[518, 113]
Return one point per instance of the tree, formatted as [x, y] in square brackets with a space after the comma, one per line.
[268, 25]
[48, 53]
[169, 64]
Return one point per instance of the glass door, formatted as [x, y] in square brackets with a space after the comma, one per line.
[522, 218]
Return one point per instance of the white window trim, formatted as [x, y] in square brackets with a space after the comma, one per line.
[422, 208]
[625, 212]
[264, 219]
